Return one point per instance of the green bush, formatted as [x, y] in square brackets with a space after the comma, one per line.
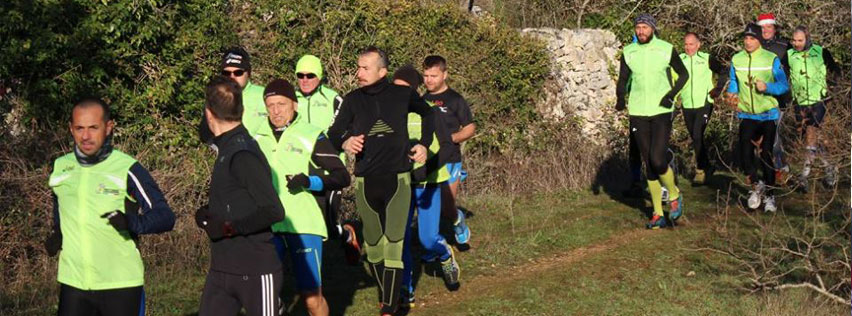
[496, 69]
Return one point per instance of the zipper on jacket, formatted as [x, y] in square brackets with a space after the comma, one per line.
[691, 82]
[750, 85]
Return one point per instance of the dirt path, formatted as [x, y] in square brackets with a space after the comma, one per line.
[480, 284]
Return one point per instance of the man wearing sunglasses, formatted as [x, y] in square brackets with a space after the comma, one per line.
[318, 105]
[236, 64]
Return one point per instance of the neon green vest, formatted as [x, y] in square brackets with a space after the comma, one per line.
[414, 130]
[291, 155]
[649, 65]
[254, 109]
[750, 68]
[318, 108]
[94, 255]
[697, 90]
[807, 75]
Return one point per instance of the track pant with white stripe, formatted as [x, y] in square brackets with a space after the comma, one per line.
[225, 294]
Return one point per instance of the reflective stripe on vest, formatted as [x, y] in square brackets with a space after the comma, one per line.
[288, 156]
[750, 68]
[94, 255]
[807, 75]
[318, 108]
[649, 82]
[697, 90]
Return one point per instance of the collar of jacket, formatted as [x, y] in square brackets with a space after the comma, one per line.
[101, 155]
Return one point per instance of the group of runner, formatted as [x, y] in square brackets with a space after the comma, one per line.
[763, 78]
[276, 183]
[275, 189]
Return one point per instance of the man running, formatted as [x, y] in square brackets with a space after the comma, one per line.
[372, 126]
[697, 98]
[771, 41]
[646, 64]
[245, 271]
[103, 200]
[810, 65]
[756, 77]
[318, 105]
[454, 112]
[236, 64]
[426, 199]
[303, 162]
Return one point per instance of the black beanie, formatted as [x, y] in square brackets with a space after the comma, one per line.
[408, 74]
[280, 87]
[236, 57]
[753, 30]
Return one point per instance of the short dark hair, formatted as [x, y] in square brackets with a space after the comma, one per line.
[692, 34]
[435, 61]
[225, 99]
[383, 57]
[92, 101]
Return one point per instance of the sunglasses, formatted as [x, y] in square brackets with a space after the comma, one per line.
[303, 76]
[235, 73]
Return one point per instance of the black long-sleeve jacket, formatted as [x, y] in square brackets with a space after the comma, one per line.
[242, 194]
[380, 112]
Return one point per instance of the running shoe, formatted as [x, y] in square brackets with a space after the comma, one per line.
[830, 176]
[754, 195]
[656, 222]
[676, 208]
[665, 194]
[461, 230]
[769, 204]
[700, 177]
[451, 272]
[406, 300]
[351, 247]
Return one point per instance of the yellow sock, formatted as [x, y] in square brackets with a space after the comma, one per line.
[656, 196]
[669, 181]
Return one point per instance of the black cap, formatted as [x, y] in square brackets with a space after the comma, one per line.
[236, 57]
[753, 30]
[408, 74]
[280, 87]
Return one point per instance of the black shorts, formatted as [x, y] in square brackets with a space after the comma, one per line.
[810, 115]
[225, 294]
[124, 301]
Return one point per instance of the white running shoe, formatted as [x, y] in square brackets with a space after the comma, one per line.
[665, 194]
[769, 204]
[754, 195]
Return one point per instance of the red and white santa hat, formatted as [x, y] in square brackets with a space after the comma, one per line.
[765, 19]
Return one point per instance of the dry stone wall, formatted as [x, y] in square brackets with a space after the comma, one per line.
[582, 81]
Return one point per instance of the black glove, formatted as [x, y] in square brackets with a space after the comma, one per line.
[215, 227]
[298, 182]
[619, 105]
[117, 219]
[53, 243]
[667, 101]
[715, 92]
[201, 216]
[418, 175]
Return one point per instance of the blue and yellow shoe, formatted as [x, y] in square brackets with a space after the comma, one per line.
[676, 208]
[461, 230]
[656, 222]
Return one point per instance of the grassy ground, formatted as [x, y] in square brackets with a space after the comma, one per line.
[563, 253]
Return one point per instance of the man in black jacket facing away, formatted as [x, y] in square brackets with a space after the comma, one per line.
[372, 125]
[244, 269]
